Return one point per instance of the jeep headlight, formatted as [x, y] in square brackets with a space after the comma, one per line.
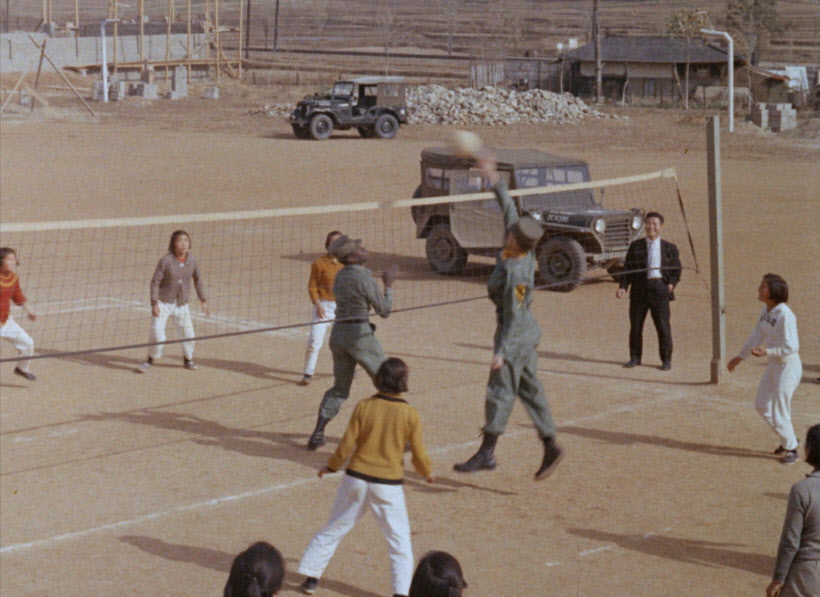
[599, 226]
[535, 216]
[636, 222]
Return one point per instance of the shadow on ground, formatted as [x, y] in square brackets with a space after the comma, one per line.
[690, 551]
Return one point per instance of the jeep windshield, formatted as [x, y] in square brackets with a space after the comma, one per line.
[546, 176]
[343, 89]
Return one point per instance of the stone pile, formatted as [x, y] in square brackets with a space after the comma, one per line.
[434, 104]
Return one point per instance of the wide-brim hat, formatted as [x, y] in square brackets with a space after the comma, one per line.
[527, 231]
[344, 246]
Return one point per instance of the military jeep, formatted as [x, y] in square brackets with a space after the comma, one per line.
[374, 105]
[578, 232]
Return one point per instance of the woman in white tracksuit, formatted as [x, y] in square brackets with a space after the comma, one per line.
[775, 337]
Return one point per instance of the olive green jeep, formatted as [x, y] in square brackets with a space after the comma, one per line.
[578, 232]
[374, 105]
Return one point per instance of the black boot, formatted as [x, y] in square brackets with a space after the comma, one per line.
[552, 456]
[483, 460]
[317, 438]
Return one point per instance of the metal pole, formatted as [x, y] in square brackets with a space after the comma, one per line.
[731, 74]
[716, 249]
[104, 67]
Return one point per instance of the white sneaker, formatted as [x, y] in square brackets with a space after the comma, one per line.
[143, 367]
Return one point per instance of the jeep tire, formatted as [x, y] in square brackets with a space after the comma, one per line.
[321, 127]
[386, 126]
[444, 254]
[300, 131]
[562, 263]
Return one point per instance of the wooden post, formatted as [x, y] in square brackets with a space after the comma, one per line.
[216, 26]
[114, 39]
[168, 36]
[66, 81]
[77, 30]
[716, 249]
[142, 29]
[189, 41]
[239, 45]
[276, 26]
[40, 65]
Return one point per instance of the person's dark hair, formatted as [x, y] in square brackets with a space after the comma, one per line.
[5, 252]
[329, 237]
[778, 289]
[654, 214]
[392, 376]
[174, 236]
[438, 575]
[256, 572]
[813, 446]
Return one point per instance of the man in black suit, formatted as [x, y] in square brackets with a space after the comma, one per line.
[652, 268]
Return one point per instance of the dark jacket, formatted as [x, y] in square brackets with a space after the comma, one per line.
[635, 266]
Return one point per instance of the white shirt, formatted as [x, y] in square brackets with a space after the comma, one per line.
[653, 258]
[777, 330]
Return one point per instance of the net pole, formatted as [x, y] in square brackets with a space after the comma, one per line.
[716, 249]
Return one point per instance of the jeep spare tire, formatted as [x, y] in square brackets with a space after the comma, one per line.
[321, 127]
[562, 263]
[444, 254]
[386, 126]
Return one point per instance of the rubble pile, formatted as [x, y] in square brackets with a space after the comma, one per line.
[434, 104]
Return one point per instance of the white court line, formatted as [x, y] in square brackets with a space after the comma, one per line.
[255, 492]
[110, 303]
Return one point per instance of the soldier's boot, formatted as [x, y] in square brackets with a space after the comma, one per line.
[317, 438]
[483, 460]
[552, 456]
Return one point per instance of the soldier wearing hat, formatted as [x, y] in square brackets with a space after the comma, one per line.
[352, 339]
[513, 371]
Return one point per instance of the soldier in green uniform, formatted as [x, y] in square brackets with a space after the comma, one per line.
[513, 371]
[352, 339]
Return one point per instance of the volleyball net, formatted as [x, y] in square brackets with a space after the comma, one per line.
[88, 281]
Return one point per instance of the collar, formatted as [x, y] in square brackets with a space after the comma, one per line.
[390, 397]
[510, 254]
[814, 473]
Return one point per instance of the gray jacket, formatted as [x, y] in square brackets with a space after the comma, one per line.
[171, 282]
[356, 291]
[800, 539]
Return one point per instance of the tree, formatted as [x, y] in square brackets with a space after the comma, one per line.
[451, 9]
[751, 24]
[686, 23]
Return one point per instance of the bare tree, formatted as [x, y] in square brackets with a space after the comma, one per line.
[388, 27]
[751, 23]
[686, 23]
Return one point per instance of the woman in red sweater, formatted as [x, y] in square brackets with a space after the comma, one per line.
[10, 291]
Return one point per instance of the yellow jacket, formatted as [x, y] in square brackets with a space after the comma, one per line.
[322, 274]
[379, 429]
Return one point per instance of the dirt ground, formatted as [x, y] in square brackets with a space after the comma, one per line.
[113, 483]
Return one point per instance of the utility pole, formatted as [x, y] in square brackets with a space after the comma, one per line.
[248, 31]
[276, 26]
[596, 40]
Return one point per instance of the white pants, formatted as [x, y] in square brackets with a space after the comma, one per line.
[12, 332]
[182, 320]
[387, 503]
[316, 336]
[774, 397]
